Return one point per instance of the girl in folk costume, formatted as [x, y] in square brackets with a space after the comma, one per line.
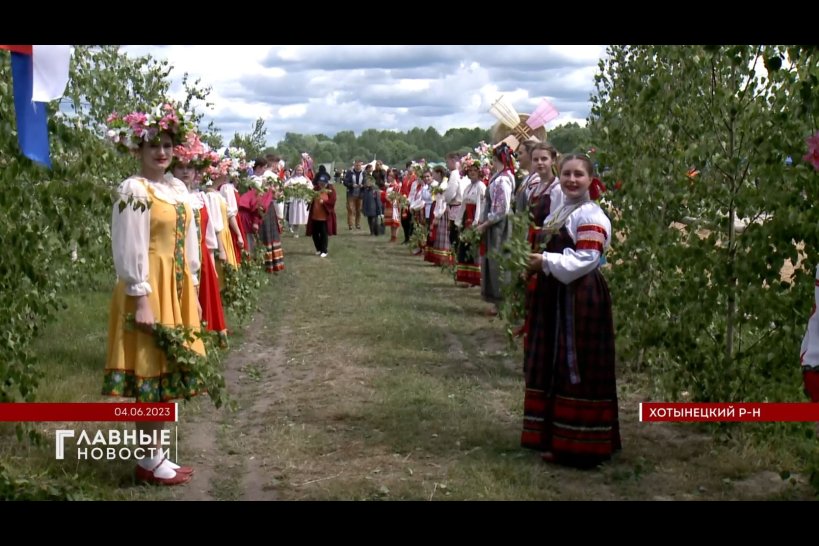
[270, 232]
[570, 403]
[540, 194]
[297, 214]
[421, 205]
[156, 246]
[468, 266]
[530, 180]
[187, 158]
[276, 166]
[495, 224]
[392, 214]
[438, 247]
[408, 189]
[809, 354]
[322, 214]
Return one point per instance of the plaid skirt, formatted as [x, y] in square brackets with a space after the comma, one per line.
[570, 403]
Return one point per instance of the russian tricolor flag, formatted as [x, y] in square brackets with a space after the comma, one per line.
[40, 74]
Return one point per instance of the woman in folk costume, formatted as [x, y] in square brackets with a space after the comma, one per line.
[392, 214]
[468, 266]
[809, 354]
[231, 195]
[250, 216]
[188, 157]
[570, 403]
[298, 207]
[438, 248]
[322, 214]
[155, 245]
[270, 231]
[495, 225]
[213, 176]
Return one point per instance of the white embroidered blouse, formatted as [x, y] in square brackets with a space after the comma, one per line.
[131, 232]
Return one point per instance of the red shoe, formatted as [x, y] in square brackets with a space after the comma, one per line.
[147, 476]
[185, 470]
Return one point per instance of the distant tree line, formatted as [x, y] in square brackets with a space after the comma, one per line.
[391, 147]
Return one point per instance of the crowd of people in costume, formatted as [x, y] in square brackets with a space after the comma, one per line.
[191, 215]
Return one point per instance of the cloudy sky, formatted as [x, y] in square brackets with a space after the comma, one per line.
[332, 88]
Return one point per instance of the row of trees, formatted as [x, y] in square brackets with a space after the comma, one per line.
[703, 306]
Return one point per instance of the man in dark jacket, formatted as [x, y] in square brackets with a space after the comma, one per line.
[354, 181]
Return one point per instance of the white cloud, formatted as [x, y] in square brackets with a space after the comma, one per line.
[326, 89]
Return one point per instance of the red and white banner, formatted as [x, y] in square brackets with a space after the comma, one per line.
[87, 411]
[696, 412]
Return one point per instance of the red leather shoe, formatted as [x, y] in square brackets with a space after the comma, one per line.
[185, 470]
[148, 476]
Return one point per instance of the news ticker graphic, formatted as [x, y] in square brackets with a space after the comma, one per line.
[88, 411]
[696, 412]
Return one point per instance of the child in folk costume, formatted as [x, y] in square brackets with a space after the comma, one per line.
[468, 266]
[420, 204]
[156, 256]
[438, 246]
[570, 403]
[297, 213]
[189, 157]
[392, 213]
[408, 189]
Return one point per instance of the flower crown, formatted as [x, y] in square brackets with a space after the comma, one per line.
[192, 152]
[128, 132]
[218, 168]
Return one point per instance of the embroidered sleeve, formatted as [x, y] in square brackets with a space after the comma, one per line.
[501, 197]
[130, 236]
[590, 230]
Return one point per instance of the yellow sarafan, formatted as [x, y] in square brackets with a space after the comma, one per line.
[173, 301]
